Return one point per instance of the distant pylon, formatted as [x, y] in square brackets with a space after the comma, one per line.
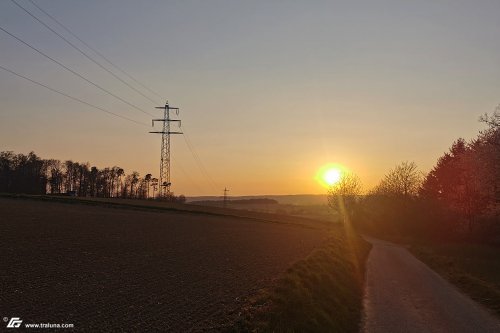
[165, 148]
[225, 196]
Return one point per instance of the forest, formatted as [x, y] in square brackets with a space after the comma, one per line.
[30, 174]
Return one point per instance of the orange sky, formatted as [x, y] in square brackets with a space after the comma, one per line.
[268, 93]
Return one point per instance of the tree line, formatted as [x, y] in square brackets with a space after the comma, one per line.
[458, 198]
[30, 174]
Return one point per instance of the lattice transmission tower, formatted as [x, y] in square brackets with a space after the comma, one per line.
[165, 148]
[225, 196]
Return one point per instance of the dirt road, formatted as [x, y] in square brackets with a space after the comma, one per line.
[110, 269]
[404, 295]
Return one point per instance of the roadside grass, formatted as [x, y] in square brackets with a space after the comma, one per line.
[321, 293]
[473, 268]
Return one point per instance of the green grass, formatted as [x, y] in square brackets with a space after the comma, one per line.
[473, 268]
[322, 293]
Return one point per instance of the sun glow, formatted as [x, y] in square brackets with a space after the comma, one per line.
[330, 174]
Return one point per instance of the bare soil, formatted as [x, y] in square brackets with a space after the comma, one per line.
[116, 269]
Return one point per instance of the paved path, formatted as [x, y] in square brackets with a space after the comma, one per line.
[404, 295]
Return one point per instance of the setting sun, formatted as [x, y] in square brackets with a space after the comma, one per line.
[329, 174]
[332, 176]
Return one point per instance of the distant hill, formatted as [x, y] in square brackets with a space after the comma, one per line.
[291, 199]
[254, 201]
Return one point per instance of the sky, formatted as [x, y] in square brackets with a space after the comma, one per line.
[268, 91]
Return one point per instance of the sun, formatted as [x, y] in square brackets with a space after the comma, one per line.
[330, 174]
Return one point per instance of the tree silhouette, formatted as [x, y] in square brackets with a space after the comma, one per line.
[134, 179]
[154, 183]
[465, 181]
[404, 180]
[120, 172]
[343, 195]
[20, 173]
[147, 179]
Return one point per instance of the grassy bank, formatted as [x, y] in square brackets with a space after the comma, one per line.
[473, 268]
[322, 293]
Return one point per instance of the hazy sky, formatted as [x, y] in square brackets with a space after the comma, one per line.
[269, 91]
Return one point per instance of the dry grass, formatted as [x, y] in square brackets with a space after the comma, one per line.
[322, 293]
[474, 268]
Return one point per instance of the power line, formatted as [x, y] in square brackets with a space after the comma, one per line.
[81, 51]
[96, 51]
[188, 176]
[72, 97]
[186, 137]
[72, 71]
[198, 160]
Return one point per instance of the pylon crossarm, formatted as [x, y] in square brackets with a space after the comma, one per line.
[168, 132]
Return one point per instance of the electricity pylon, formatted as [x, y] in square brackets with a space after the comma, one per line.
[225, 196]
[165, 148]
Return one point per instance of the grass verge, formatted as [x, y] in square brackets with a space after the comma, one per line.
[473, 268]
[322, 293]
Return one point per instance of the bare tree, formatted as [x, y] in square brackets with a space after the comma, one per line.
[56, 174]
[492, 120]
[134, 179]
[147, 179]
[154, 183]
[119, 173]
[94, 174]
[343, 195]
[20, 173]
[404, 180]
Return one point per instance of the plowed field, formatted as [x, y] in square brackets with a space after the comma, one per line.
[117, 269]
